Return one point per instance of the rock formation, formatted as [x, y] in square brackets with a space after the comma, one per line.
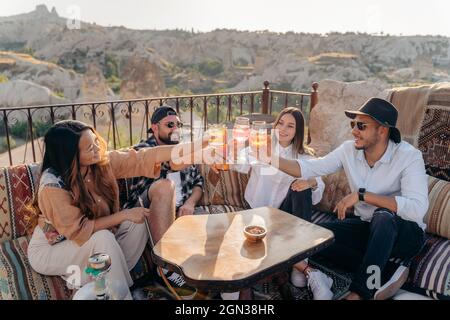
[94, 86]
[295, 58]
[17, 66]
[141, 78]
[328, 125]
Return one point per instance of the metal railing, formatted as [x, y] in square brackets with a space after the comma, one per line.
[125, 122]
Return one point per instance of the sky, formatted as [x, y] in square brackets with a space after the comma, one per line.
[395, 17]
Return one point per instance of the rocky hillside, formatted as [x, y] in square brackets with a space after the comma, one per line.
[181, 62]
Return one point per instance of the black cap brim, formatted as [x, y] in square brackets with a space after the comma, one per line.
[352, 114]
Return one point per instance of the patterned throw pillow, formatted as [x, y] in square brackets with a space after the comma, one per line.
[17, 190]
[434, 141]
[223, 188]
[438, 215]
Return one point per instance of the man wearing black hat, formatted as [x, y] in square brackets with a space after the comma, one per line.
[383, 215]
[176, 191]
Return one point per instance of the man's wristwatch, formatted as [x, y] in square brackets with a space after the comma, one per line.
[361, 193]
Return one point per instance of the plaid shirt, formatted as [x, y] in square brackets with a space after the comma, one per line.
[190, 178]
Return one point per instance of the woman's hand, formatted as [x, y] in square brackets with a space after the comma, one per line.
[300, 185]
[136, 215]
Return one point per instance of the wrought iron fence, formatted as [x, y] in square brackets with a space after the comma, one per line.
[125, 122]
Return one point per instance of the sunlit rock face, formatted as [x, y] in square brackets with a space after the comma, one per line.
[328, 125]
[141, 78]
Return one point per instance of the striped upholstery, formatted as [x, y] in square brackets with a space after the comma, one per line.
[18, 281]
[438, 215]
[430, 270]
[215, 209]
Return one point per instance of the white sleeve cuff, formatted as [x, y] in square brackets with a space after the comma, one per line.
[400, 205]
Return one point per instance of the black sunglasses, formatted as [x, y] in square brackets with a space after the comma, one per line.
[172, 124]
[360, 125]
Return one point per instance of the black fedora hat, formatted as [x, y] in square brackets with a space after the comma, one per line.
[381, 111]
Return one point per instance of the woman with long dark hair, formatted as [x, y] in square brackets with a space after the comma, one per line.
[295, 196]
[78, 203]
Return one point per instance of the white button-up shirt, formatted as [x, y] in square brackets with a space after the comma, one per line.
[400, 173]
[264, 189]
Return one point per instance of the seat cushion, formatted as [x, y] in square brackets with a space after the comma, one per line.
[430, 269]
[18, 281]
[438, 214]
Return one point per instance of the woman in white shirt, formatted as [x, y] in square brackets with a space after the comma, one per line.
[295, 196]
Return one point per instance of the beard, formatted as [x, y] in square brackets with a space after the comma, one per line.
[168, 139]
[369, 143]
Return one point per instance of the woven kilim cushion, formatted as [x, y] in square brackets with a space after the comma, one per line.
[438, 214]
[18, 281]
[17, 189]
[223, 188]
[434, 141]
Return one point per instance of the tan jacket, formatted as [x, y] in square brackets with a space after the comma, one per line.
[55, 202]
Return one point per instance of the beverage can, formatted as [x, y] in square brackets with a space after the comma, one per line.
[99, 262]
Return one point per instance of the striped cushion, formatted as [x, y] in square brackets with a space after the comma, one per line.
[438, 215]
[18, 281]
[430, 269]
[224, 188]
[215, 209]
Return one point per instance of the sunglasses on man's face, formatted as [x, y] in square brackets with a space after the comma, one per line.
[360, 125]
[172, 124]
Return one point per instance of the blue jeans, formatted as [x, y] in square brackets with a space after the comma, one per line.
[360, 244]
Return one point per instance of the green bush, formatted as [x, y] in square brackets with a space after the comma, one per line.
[210, 67]
[59, 93]
[111, 67]
[40, 128]
[4, 143]
[114, 83]
[3, 78]
[29, 51]
[19, 130]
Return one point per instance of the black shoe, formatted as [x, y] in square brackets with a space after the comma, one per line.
[176, 281]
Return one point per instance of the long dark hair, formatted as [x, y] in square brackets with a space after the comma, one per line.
[298, 145]
[62, 156]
